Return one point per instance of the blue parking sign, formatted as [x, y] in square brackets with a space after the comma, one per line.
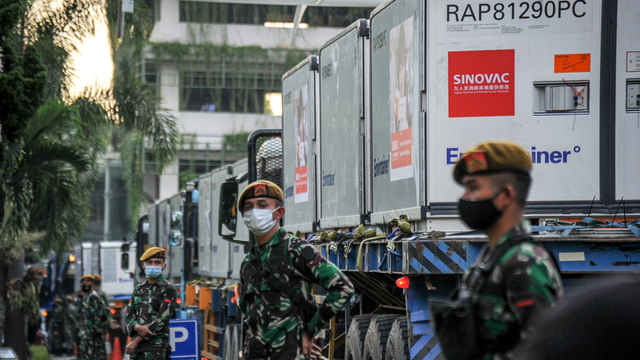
[183, 338]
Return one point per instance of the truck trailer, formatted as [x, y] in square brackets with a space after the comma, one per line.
[371, 129]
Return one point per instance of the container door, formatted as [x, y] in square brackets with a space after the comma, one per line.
[298, 124]
[396, 118]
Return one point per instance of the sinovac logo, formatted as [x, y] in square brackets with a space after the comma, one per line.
[479, 79]
[538, 156]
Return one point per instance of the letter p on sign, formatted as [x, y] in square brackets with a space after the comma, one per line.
[178, 334]
[183, 338]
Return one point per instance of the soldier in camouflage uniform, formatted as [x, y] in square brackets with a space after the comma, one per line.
[70, 326]
[91, 326]
[150, 309]
[525, 277]
[57, 327]
[276, 281]
[97, 286]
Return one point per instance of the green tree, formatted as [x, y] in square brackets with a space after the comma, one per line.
[48, 153]
[22, 82]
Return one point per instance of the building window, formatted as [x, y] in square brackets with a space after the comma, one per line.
[237, 92]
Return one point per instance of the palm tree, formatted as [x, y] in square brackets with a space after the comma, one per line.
[48, 158]
[48, 189]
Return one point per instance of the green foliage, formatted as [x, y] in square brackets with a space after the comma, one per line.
[236, 142]
[186, 176]
[21, 89]
[62, 167]
[39, 352]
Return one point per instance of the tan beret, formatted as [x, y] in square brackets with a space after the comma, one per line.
[87, 276]
[58, 301]
[97, 277]
[492, 157]
[153, 253]
[261, 189]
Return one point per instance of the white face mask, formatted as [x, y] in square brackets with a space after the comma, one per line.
[259, 221]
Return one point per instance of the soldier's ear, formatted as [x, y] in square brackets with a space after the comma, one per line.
[279, 213]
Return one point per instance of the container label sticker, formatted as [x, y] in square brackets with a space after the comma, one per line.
[301, 134]
[570, 63]
[493, 18]
[633, 61]
[481, 83]
[401, 90]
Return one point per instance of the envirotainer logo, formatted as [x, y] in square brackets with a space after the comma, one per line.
[481, 83]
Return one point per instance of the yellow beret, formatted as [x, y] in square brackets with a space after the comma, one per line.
[87, 276]
[153, 253]
[260, 189]
[97, 277]
[492, 157]
[58, 301]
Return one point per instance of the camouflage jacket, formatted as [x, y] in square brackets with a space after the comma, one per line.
[152, 304]
[93, 311]
[104, 297]
[71, 322]
[524, 279]
[268, 314]
[105, 300]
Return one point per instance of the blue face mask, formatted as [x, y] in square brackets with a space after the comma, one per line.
[153, 272]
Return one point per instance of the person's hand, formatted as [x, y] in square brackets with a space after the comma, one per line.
[143, 331]
[132, 345]
[309, 348]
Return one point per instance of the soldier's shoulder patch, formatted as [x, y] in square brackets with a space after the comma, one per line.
[311, 256]
[308, 253]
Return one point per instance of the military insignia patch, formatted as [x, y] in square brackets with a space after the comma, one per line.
[476, 162]
[260, 190]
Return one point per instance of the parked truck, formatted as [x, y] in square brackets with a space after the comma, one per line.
[371, 129]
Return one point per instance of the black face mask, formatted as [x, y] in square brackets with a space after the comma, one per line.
[479, 215]
[85, 288]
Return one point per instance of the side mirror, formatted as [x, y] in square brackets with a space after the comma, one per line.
[175, 237]
[228, 213]
[124, 261]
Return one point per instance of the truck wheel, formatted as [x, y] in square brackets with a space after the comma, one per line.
[355, 337]
[397, 343]
[375, 342]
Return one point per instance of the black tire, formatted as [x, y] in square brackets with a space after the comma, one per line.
[356, 335]
[375, 342]
[398, 341]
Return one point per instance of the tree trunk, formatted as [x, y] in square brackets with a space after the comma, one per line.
[15, 335]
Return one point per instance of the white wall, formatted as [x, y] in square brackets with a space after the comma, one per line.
[211, 127]
[240, 35]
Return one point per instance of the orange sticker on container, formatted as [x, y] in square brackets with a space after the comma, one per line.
[570, 63]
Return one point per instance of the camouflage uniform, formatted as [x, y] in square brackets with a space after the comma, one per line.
[105, 300]
[152, 304]
[524, 280]
[57, 329]
[91, 328]
[70, 327]
[273, 324]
